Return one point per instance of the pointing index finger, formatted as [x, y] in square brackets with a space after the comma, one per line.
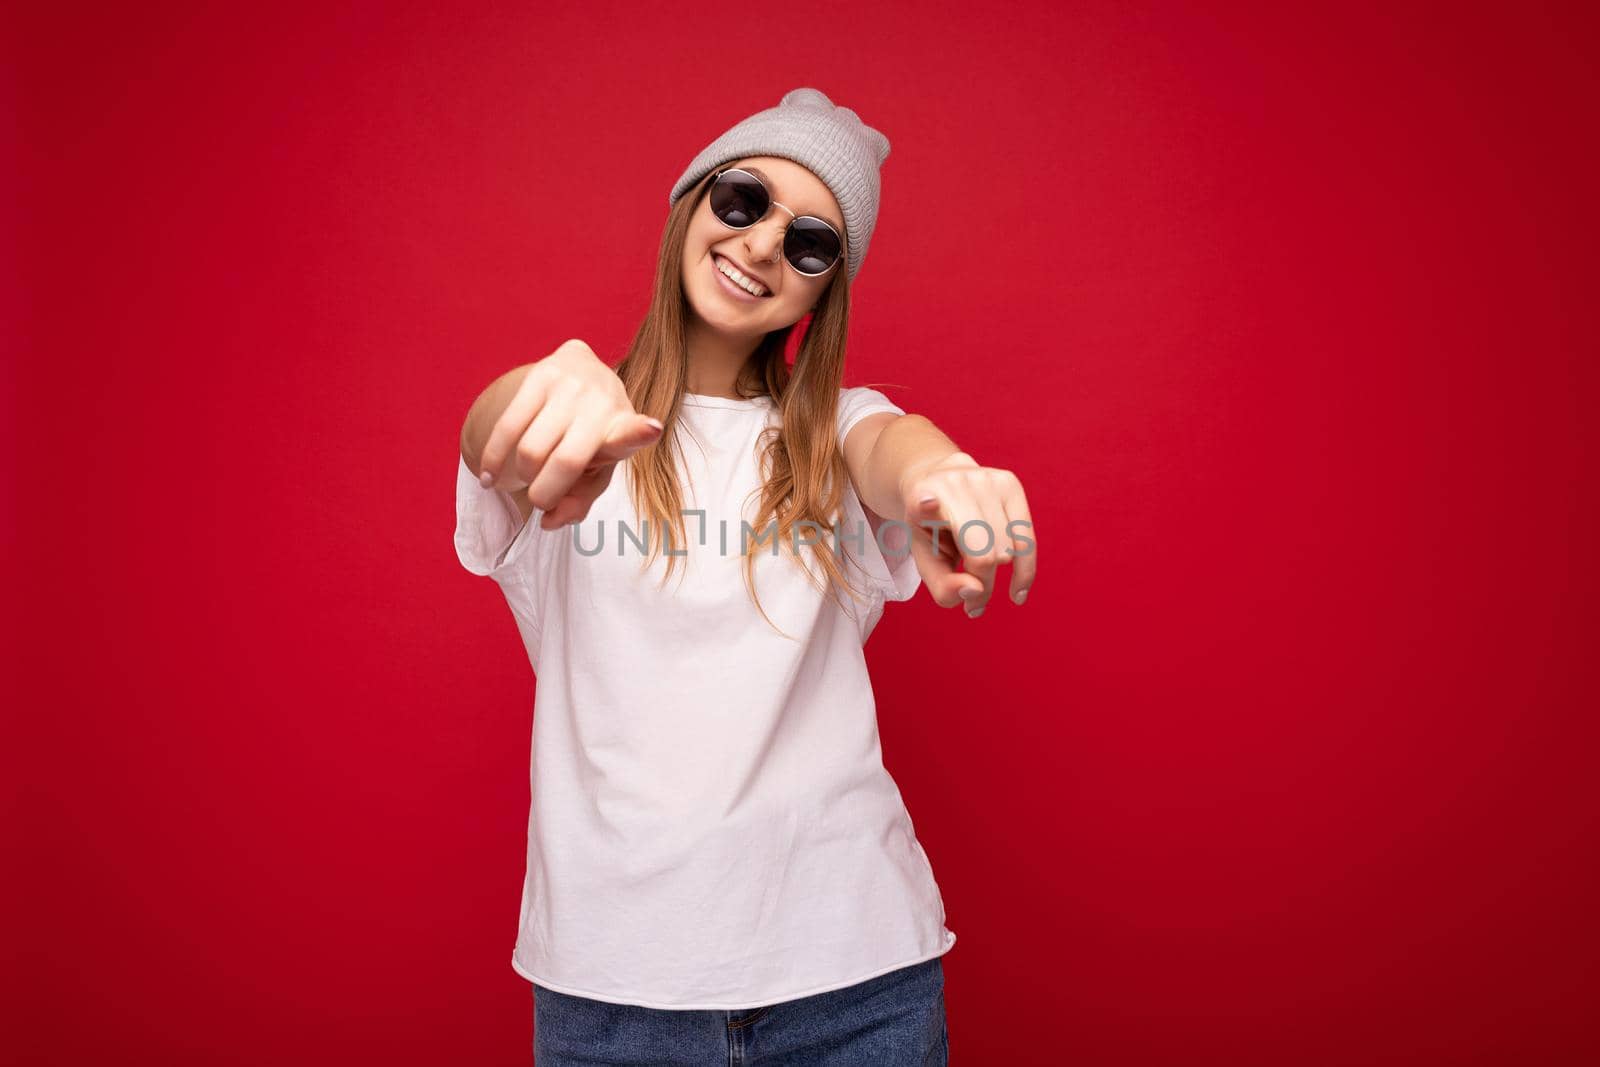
[1025, 546]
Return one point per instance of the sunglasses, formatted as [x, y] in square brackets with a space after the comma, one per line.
[740, 199]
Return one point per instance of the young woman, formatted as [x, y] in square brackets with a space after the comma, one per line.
[720, 869]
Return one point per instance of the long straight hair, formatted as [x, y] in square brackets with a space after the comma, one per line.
[802, 466]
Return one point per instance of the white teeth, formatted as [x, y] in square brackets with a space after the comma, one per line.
[751, 286]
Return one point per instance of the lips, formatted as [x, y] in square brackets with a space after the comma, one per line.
[716, 256]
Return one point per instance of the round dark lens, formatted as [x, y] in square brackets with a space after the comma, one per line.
[811, 245]
[738, 199]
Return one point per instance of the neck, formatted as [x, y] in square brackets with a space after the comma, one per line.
[715, 359]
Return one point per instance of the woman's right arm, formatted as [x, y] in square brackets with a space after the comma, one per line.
[550, 433]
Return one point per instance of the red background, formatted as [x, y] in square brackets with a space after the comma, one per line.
[1281, 317]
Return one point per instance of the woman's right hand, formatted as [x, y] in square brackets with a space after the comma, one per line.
[559, 439]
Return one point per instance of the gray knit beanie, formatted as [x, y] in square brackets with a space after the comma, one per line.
[832, 142]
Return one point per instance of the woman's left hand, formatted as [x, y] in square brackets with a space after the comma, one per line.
[961, 512]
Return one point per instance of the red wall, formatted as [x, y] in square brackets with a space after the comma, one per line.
[1283, 319]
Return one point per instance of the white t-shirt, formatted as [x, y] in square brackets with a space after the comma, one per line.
[712, 826]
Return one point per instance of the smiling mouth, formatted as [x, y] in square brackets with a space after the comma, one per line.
[716, 259]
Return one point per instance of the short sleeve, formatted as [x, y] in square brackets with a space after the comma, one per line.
[490, 532]
[886, 558]
[856, 404]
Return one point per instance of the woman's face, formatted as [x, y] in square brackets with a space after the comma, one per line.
[757, 253]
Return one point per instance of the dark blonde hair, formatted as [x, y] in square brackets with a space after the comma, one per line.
[802, 464]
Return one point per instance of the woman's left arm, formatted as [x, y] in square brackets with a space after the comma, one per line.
[959, 511]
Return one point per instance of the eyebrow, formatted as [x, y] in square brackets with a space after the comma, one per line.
[764, 176]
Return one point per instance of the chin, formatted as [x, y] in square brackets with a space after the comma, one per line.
[718, 320]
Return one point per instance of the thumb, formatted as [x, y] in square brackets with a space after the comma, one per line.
[628, 434]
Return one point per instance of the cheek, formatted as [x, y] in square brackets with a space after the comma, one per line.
[807, 291]
[694, 256]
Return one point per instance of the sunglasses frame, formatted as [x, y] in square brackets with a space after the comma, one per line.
[793, 218]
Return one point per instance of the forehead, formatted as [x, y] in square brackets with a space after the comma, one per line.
[795, 187]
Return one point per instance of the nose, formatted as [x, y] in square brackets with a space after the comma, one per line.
[765, 238]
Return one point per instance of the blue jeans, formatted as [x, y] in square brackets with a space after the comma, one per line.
[894, 1020]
